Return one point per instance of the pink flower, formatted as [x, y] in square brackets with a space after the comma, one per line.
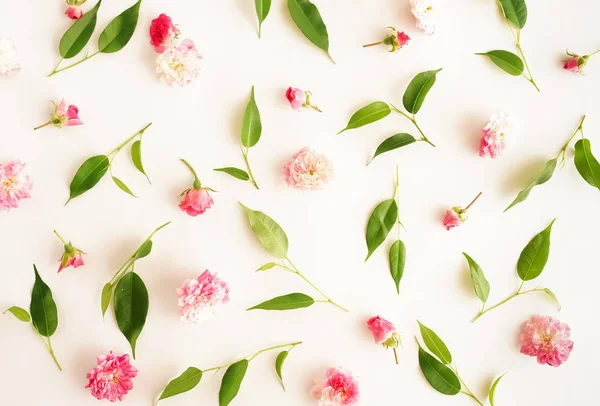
[199, 297]
[381, 328]
[71, 257]
[64, 115]
[196, 202]
[162, 32]
[111, 379]
[340, 388]
[308, 170]
[495, 136]
[402, 38]
[14, 185]
[395, 40]
[457, 215]
[296, 97]
[74, 12]
[179, 65]
[547, 339]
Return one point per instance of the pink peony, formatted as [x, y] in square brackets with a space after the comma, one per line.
[162, 32]
[14, 185]
[495, 136]
[453, 218]
[179, 65]
[340, 388]
[111, 379]
[402, 38]
[198, 297]
[381, 328]
[547, 339]
[74, 12]
[296, 97]
[308, 170]
[196, 202]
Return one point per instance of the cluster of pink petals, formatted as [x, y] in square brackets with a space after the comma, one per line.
[495, 136]
[196, 201]
[296, 97]
[74, 12]
[199, 297]
[381, 328]
[67, 115]
[454, 217]
[74, 259]
[112, 378]
[179, 65]
[14, 185]
[547, 339]
[339, 388]
[162, 32]
[308, 170]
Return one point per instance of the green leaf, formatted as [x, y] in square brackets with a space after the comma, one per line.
[493, 389]
[269, 233]
[515, 11]
[553, 297]
[230, 385]
[120, 30]
[394, 142]
[19, 313]
[279, 363]
[144, 250]
[417, 90]
[262, 11]
[534, 256]
[235, 172]
[367, 115]
[586, 164]
[78, 34]
[187, 381]
[507, 61]
[380, 223]
[439, 376]
[251, 125]
[397, 262]
[136, 157]
[88, 175]
[106, 296]
[267, 266]
[131, 307]
[435, 344]
[542, 178]
[309, 21]
[122, 186]
[44, 315]
[286, 302]
[480, 283]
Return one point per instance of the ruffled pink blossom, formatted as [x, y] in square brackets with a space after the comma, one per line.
[74, 12]
[162, 32]
[339, 388]
[457, 215]
[112, 378]
[14, 185]
[296, 97]
[496, 135]
[9, 65]
[199, 297]
[179, 65]
[65, 115]
[547, 339]
[308, 170]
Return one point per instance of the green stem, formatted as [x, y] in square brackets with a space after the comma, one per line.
[473, 201]
[514, 295]
[414, 121]
[250, 357]
[530, 78]
[116, 150]
[43, 125]
[563, 150]
[397, 198]
[594, 53]
[250, 174]
[468, 391]
[55, 70]
[197, 184]
[48, 346]
[60, 238]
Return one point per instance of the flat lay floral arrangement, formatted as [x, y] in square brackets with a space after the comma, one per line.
[383, 247]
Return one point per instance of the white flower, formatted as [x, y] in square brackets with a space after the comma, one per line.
[497, 135]
[177, 66]
[8, 57]
[425, 11]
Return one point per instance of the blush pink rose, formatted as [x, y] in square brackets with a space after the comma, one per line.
[339, 388]
[112, 378]
[74, 12]
[162, 32]
[199, 297]
[68, 114]
[14, 185]
[381, 329]
[308, 170]
[547, 339]
[196, 202]
[296, 97]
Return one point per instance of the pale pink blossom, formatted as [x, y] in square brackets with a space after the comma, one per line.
[196, 201]
[14, 185]
[308, 170]
[199, 297]
[339, 388]
[9, 64]
[162, 33]
[65, 115]
[547, 339]
[496, 135]
[74, 12]
[112, 378]
[296, 97]
[179, 65]
[425, 12]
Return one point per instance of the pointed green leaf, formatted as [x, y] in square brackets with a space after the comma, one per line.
[144, 250]
[281, 357]
[235, 172]
[106, 296]
[480, 283]
[417, 89]
[251, 125]
[120, 30]
[515, 11]
[309, 21]
[78, 34]
[435, 344]
[122, 186]
[187, 381]
[367, 115]
[380, 223]
[534, 256]
[232, 380]
[439, 376]
[88, 175]
[394, 142]
[44, 315]
[262, 11]
[397, 262]
[286, 302]
[131, 307]
[507, 61]
[19, 313]
[492, 394]
[136, 157]
[542, 178]
[553, 297]
[267, 266]
[269, 233]
[586, 164]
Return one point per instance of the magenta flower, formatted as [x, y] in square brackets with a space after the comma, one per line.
[457, 215]
[384, 333]
[162, 32]
[395, 40]
[339, 388]
[64, 115]
[14, 185]
[299, 98]
[576, 63]
[308, 170]
[71, 257]
[199, 297]
[112, 378]
[547, 339]
[197, 199]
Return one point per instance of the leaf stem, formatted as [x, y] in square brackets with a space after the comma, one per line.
[413, 119]
[43, 125]
[48, 346]
[60, 238]
[55, 70]
[252, 179]
[563, 150]
[250, 357]
[116, 150]
[197, 184]
[473, 201]
[373, 44]
[468, 391]
[517, 293]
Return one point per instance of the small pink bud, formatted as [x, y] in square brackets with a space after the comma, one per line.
[74, 12]
[71, 257]
[403, 38]
[575, 64]
[296, 97]
[64, 115]
[457, 215]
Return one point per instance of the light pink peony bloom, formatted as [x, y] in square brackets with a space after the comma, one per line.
[308, 170]
[8, 57]
[14, 185]
[296, 97]
[547, 339]
[179, 65]
[74, 12]
[196, 202]
[496, 135]
[340, 388]
[381, 328]
[112, 378]
[199, 297]
[162, 33]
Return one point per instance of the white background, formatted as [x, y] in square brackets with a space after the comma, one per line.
[118, 94]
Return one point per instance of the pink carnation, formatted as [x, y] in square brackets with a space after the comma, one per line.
[111, 379]
[340, 388]
[308, 170]
[162, 32]
[14, 185]
[547, 339]
[198, 297]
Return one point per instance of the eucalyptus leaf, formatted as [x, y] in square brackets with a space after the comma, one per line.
[380, 223]
[262, 11]
[269, 233]
[507, 61]
[367, 115]
[120, 30]
[394, 142]
[534, 256]
[88, 175]
[435, 344]
[106, 296]
[19, 313]
[553, 297]
[515, 11]
[586, 164]
[187, 381]
[309, 21]
[397, 262]
[417, 89]
[78, 34]
[251, 125]
[131, 307]
[439, 376]
[144, 250]
[480, 283]
[286, 302]
[235, 172]
[44, 315]
[492, 395]
[267, 266]
[122, 186]
[281, 357]
[542, 178]
[232, 380]
[136, 157]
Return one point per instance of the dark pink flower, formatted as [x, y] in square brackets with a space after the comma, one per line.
[395, 40]
[64, 115]
[162, 32]
[196, 202]
[381, 328]
[112, 378]
[71, 256]
[74, 12]
[547, 339]
[296, 97]
[402, 38]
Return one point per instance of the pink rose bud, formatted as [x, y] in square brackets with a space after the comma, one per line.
[71, 257]
[457, 215]
[197, 199]
[299, 98]
[395, 40]
[162, 33]
[64, 115]
[547, 339]
[384, 333]
[74, 12]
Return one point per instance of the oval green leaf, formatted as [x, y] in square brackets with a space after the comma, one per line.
[187, 381]
[251, 125]
[507, 61]
[380, 223]
[106, 296]
[144, 250]
[44, 315]
[553, 297]
[417, 89]
[397, 261]
[515, 11]
[480, 283]
[122, 186]
[19, 313]
[136, 157]
[534, 256]
[88, 175]
[309, 21]
[435, 344]
[394, 142]
[542, 178]
[262, 11]
[367, 115]
[78, 34]
[269, 233]
[267, 266]
[235, 172]
[286, 302]
[281, 357]
[120, 30]
[131, 307]
[439, 376]
[586, 164]
[232, 380]
[492, 394]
